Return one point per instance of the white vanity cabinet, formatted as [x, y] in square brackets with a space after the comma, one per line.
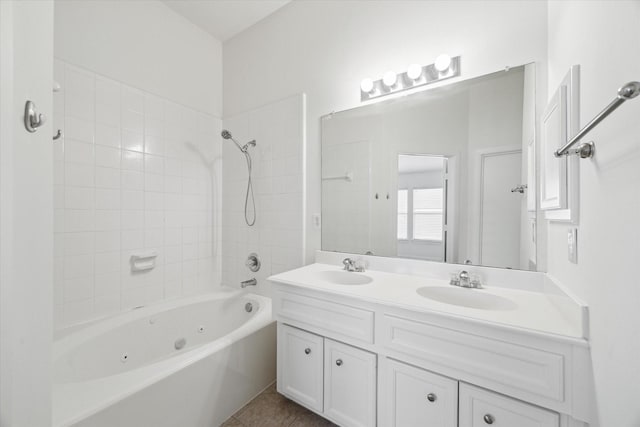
[300, 364]
[415, 397]
[366, 364]
[349, 385]
[328, 377]
[481, 408]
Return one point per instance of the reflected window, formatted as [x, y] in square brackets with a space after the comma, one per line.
[403, 214]
[427, 214]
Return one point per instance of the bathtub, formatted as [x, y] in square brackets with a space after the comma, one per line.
[190, 363]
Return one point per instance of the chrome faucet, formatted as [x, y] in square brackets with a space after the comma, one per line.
[351, 265]
[464, 280]
[250, 282]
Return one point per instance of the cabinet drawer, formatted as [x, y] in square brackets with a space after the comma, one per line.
[326, 318]
[350, 385]
[481, 408]
[300, 366]
[415, 397]
[508, 368]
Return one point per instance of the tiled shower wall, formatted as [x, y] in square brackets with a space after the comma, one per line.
[278, 158]
[133, 173]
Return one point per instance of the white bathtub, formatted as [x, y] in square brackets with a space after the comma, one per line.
[127, 371]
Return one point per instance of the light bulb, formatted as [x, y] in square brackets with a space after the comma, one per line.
[414, 71]
[366, 85]
[390, 78]
[443, 62]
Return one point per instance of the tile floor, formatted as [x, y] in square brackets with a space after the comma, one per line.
[271, 409]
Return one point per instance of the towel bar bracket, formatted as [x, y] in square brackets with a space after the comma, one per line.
[586, 149]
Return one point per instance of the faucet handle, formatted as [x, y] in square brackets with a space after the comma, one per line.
[361, 265]
[454, 280]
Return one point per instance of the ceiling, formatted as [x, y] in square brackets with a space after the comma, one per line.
[224, 19]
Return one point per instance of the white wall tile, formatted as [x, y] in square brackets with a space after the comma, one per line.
[118, 189]
[106, 305]
[132, 220]
[278, 233]
[107, 156]
[153, 201]
[132, 180]
[154, 219]
[107, 241]
[133, 141]
[107, 135]
[107, 198]
[132, 160]
[107, 284]
[107, 177]
[153, 182]
[132, 200]
[133, 122]
[153, 164]
[81, 243]
[107, 262]
[154, 144]
[108, 114]
[79, 129]
[78, 152]
[76, 220]
[132, 99]
[132, 239]
[107, 220]
[107, 91]
[79, 198]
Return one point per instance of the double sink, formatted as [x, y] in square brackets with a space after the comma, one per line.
[462, 297]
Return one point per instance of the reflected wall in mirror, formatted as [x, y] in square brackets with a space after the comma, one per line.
[446, 174]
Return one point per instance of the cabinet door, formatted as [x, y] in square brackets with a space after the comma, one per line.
[349, 385]
[415, 397]
[300, 356]
[482, 408]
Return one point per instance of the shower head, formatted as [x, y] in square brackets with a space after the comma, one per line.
[227, 135]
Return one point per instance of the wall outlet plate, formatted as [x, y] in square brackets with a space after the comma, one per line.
[572, 245]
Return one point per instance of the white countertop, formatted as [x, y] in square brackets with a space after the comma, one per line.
[534, 310]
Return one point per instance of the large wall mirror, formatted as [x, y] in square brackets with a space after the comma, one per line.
[447, 174]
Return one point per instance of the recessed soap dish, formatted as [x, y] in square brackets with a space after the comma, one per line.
[143, 261]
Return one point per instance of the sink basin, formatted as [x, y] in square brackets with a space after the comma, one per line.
[344, 278]
[472, 298]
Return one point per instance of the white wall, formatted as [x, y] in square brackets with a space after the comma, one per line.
[26, 215]
[604, 38]
[278, 183]
[144, 44]
[325, 48]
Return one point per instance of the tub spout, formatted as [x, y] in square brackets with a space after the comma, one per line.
[250, 282]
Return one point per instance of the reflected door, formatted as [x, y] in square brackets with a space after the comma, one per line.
[500, 210]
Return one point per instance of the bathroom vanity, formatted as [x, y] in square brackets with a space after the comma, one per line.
[389, 349]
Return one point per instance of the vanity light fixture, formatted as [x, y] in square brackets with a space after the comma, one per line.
[443, 62]
[390, 78]
[414, 71]
[444, 67]
[366, 85]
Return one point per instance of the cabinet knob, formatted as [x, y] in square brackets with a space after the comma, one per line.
[488, 418]
[339, 362]
[307, 350]
[431, 397]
